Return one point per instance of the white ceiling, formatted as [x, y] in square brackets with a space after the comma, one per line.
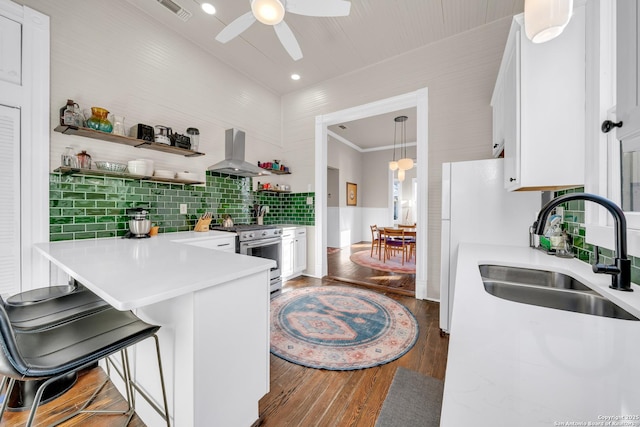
[379, 131]
[375, 30]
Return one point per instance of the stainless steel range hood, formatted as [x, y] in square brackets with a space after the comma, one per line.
[233, 163]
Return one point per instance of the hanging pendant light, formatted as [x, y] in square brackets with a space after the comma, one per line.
[546, 19]
[393, 164]
[401, 175]
[404, 163]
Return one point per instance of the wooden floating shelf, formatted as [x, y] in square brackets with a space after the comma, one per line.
[277, 171]
[274, 191]
[126, 140]
[97, 172]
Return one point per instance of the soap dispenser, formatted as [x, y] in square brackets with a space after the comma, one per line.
[556, 238]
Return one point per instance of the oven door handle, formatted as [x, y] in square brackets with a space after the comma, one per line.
[259, 243]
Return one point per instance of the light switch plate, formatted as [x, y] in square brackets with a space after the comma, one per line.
[183, 208]
[309, 200]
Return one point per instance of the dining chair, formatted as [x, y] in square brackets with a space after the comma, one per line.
[395, 241]
[375, 239]
[56, 352]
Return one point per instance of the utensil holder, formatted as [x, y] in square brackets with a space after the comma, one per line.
[202, 225]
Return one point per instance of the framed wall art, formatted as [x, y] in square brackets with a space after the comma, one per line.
[352, 194]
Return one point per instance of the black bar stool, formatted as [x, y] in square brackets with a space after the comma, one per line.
[67, 348]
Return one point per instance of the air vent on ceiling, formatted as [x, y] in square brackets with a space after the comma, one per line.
[180, 12]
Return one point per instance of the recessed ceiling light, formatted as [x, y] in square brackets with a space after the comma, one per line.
[295, 76]
[208, 8]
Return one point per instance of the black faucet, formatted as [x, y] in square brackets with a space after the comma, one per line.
[620, 271]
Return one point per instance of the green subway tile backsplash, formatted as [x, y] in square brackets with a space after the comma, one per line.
[88, 207]
[573, 223]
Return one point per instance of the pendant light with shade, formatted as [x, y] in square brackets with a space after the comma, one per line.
[545, 20]
[393, 164]
[404, 163]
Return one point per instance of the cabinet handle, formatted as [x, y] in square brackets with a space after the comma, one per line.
[511, 179]
[608, 125]
[495, 145]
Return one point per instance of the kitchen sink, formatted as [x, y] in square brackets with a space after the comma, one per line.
[548, 289]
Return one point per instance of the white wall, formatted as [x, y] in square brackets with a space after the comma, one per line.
[110, 54]
[349, 162]
[459, 73]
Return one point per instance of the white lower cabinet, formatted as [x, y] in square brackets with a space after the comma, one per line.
[294, 252]
[300, 250]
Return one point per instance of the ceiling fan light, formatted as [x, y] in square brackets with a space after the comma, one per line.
[401, 175]
[546, 19]
[405, 164]
[393, 165]
[208, 8]
[269, 12]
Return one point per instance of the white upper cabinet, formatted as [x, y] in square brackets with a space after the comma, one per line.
[628, 75]
[542, 111]
[497, 105]
[10, 51]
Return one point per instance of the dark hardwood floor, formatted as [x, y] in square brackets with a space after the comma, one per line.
[109, 398]
[299, 396]
[340, 267]
[302, 396]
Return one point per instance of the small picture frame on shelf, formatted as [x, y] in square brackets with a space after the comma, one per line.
[352, 194]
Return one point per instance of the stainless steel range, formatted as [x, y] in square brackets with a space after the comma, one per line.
[264, 241]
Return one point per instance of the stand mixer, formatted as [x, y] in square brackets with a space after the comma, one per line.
[139, 224]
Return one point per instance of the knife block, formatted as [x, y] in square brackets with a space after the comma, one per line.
[202, 225]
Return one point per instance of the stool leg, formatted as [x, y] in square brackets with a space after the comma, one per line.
[146, 397]
[5, 403]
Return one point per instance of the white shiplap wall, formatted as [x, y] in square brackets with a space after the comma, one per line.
[459, 73]
[110, 54]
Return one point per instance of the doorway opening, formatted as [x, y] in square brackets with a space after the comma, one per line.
[417, 99]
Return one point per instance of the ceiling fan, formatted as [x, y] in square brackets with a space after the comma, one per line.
[271, 12]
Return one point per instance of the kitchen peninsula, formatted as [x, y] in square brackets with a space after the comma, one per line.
[213, 309]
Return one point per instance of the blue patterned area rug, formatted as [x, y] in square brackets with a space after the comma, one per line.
[340, 328]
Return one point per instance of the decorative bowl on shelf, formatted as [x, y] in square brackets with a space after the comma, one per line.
[110, 166]
[137, 167]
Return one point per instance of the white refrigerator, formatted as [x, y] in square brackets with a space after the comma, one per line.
[477, 209]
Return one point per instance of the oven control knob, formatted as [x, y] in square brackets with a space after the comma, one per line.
[264, 234]
[250, 235]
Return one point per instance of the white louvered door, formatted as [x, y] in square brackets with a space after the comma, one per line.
[9, 200]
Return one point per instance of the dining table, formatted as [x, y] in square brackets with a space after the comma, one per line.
[409, 231]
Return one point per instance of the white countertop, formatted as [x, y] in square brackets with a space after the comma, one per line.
[513, 364]
[132, 273]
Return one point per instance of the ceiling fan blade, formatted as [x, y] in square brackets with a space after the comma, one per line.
[288, 40]
[236, 27]
[319, 7]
